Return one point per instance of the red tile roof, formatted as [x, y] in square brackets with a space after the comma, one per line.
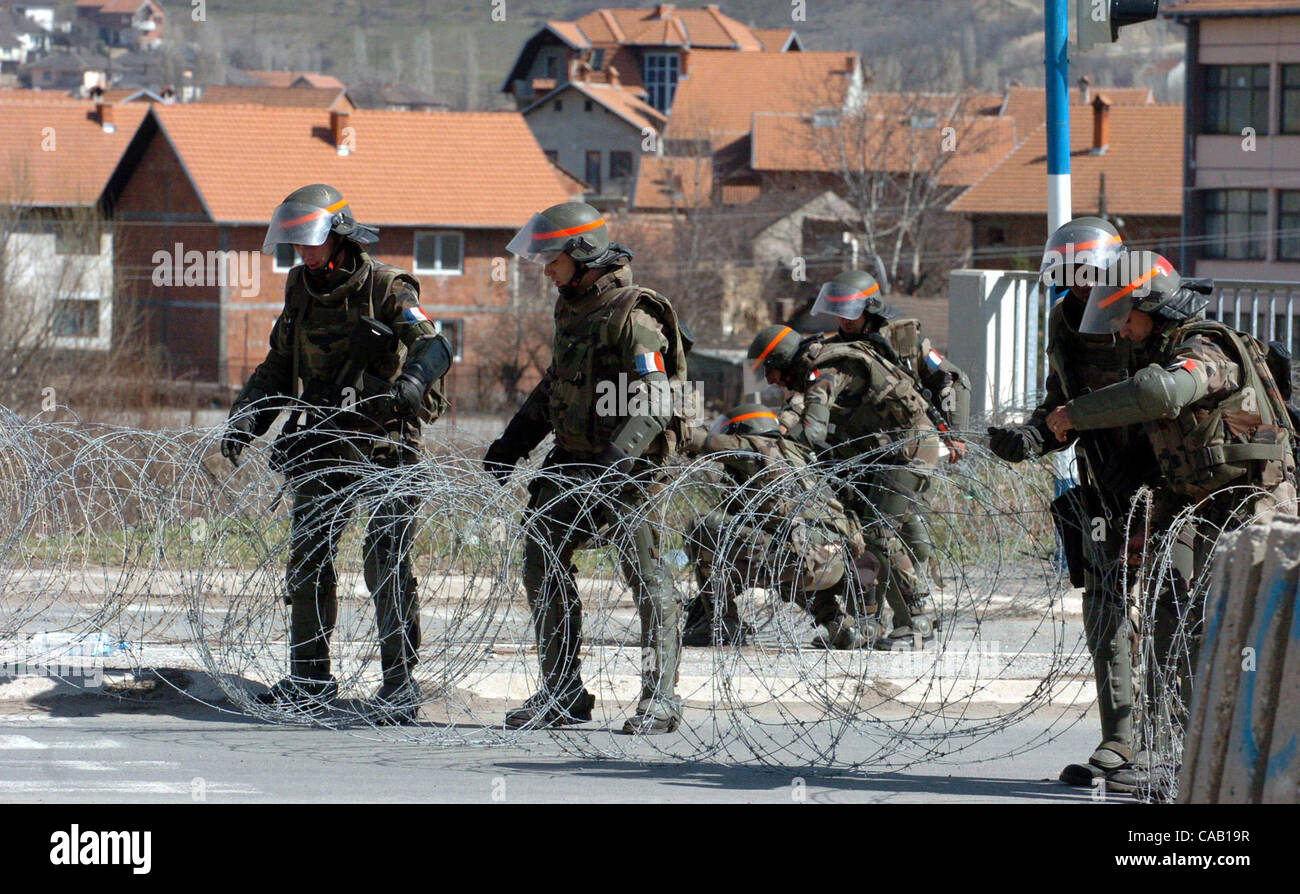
[286, 97]
[1028, 105]
[470, 169]
[876, 142]
[721, 91]
[622, 101]
[274, 78]
[707, 27]
[83, 156]
[773, 39]
[1144, 176]
[664, 183]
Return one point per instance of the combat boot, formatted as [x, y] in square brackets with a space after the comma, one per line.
[546, 709]
[1110, 759]
[654, 714]
[909, 637]
[306, 695]
[841, 633]
[700, 630]
[397, 702]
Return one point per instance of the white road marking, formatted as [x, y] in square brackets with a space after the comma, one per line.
[21, 743]
[126, 787]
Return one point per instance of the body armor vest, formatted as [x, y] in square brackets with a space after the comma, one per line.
[587, 352]
[1245, 436]
[888, 409]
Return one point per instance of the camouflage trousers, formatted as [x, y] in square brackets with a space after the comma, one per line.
[889, 504]
[802, 562]
[323, 505]
[562, 518]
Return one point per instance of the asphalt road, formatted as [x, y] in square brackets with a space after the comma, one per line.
[91, 749]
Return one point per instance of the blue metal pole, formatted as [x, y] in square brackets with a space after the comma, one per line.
[1056, 33]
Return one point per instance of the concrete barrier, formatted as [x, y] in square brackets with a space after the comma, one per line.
[1243, 741]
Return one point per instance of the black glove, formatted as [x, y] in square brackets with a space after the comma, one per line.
[407, 396]
[238, 435]
[1015, 443]
[500, 459]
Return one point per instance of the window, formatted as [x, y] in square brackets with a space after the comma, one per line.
[586, 105]
[1291, 99]
[660, 79]
[593, 169]
[76, 317]
[72, 238]
[1236, 97]
[452, 330]
[286, 258]
[620, 165]
[597, 58]
[1288, 225]
[438, 253]
[552, 66]
[559, 105]
[1236, 223]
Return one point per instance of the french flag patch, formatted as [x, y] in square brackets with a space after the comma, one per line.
[933, 359]
[648, 363]
[415, 315]
[812, 376]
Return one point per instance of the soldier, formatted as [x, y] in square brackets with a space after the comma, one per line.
[901, 342]
[370, 364]
[607, 330]
[779, 528]
[858, 405]
[1110, 467]
[1222, 436]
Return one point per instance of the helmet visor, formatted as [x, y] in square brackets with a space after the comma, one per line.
[297, 223]
[1082, 247]
[845, 302]
[541, 240]
[751, 422]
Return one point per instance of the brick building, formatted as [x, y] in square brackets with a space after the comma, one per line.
[447, 192]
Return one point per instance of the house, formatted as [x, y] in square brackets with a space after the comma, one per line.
[1241, 160]
[135, 24]
[597, 129]
[55, 160]
[274, 78]
[66, 72]
[298, 97]
[447, 191]
[22, 40]
[395, 97]
[647, 46]
[1120, 170]
[42, 14]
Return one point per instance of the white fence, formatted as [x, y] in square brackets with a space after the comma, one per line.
[997, 330]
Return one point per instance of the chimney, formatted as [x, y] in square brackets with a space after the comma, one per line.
[1085, 94]
[663, 10]
[611, 74]
[104, 112]
[1100, 124]
[339, 121]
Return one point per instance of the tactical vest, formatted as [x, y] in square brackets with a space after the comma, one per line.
[887, 410]
[320, 326]
[778, 486]
[1248, 434]
[587, 352]
[904, 336]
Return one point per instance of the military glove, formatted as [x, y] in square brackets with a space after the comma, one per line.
[501, 458]
[1015, 443]
[693, 440]
[237, 436]
[407, 396]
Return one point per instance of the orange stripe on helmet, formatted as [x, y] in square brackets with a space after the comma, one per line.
[745, 417]
[1144, 278]
[770, 345]
[863, 294]
[571, 231]
[1084, 246]
[312, 215]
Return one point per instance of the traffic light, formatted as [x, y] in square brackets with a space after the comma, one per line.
[1099, 21]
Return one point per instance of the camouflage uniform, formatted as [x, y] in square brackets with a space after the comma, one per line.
[903, 344]
[780, 528]
[1222, 440]
[603, 335]
[309, 344]
[862, 406]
